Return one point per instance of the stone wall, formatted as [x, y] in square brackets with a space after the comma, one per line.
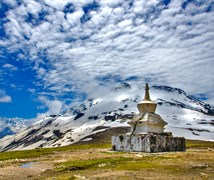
[148, 143]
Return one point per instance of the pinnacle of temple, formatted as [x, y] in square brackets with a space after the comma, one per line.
[146, 105]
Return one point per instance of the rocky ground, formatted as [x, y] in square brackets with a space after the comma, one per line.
[97, 162]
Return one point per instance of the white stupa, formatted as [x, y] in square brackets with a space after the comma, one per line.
[147, 132]
[147, 121]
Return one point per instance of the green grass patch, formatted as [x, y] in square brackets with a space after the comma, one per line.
[199, 144]
[90, 164]
[46, 151]
[34, 153]
[147, 162]
[135, 165]
[158, 164]
[117, 163]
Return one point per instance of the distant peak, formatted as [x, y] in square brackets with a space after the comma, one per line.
[170, 89]
[123, 85]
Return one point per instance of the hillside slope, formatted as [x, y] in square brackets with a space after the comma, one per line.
[186, 116]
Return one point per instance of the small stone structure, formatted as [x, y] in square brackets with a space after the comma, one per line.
[147, 132]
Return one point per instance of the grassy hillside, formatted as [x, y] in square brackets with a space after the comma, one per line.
[34, 153]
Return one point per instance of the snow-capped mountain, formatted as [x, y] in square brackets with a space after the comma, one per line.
[12, 126]
[186, 116]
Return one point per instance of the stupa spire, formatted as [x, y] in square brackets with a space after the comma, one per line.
[147, 105]
[147, 97]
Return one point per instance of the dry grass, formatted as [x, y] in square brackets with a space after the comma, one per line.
[196, 163]
[97, 162]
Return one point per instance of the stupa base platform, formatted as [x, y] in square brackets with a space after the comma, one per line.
[149, 142]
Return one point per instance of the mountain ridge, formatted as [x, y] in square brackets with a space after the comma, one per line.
[185, 115]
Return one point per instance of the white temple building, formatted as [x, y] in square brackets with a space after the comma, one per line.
[147, 132]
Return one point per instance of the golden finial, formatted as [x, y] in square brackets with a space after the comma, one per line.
[147, 97]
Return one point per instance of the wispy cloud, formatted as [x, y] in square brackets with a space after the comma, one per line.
[70, 45]
[10, 67]
[4, 98]
[53, 107]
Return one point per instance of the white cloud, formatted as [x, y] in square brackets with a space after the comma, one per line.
[171, 46]
[10, 2]
[54, 107]
[10, 67]
[58, 4]
[33, 6]
[125, 23]
[74, 18]
[4, 98]
[111, 3]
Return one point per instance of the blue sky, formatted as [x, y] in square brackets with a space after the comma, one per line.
[56, 52]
